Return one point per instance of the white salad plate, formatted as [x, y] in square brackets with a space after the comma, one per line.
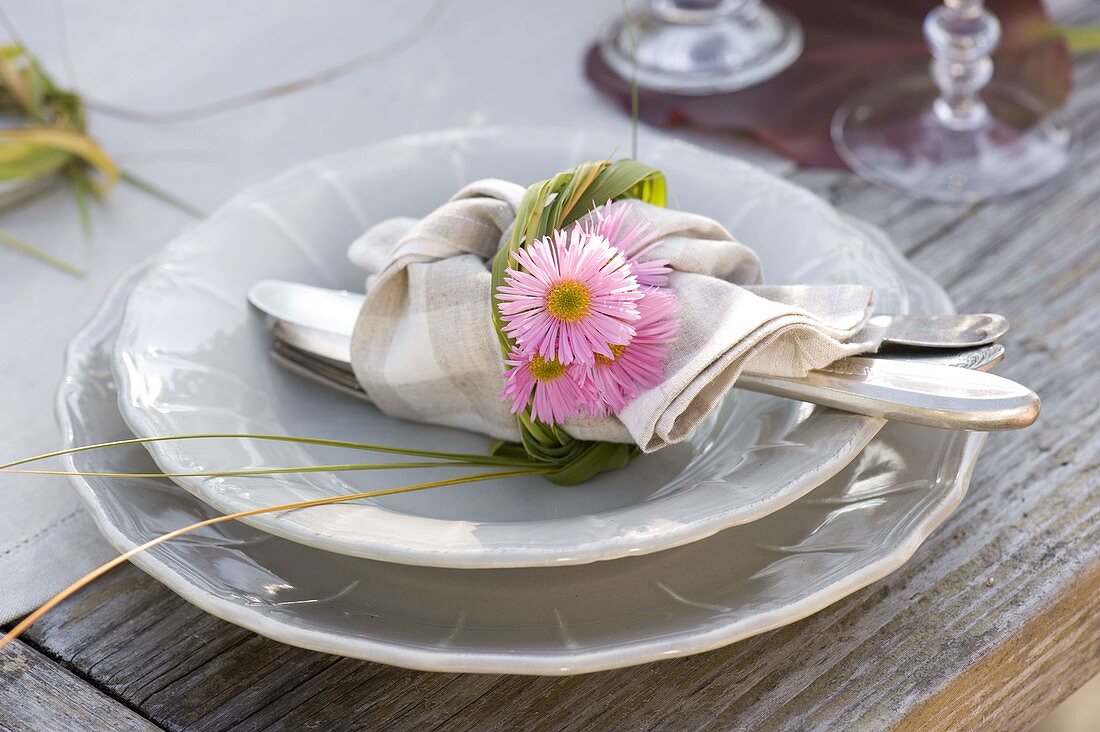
[853, 529]
[192, 358]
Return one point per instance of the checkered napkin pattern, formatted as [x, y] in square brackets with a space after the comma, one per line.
[424, 348]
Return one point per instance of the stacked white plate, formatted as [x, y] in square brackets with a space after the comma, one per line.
[772, 511]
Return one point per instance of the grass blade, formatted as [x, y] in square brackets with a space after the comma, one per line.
[336, 468]
[1082, 39]
[81, 191]
[458, 457]
[19, 245]
[75, 143]
[162, 195]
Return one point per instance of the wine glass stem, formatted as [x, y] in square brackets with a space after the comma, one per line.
[962, 35]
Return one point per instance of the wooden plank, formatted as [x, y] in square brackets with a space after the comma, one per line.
[38, 694]
[993, 622]
[1027, 671]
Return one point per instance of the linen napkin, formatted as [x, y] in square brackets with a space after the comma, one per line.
[424, 347]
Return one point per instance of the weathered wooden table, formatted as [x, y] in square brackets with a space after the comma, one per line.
[993, 622]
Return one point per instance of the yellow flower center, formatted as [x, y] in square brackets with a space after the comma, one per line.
[545, 369]
[616, 352]
[568, 300]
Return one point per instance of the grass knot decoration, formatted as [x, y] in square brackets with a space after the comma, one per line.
[547, 206]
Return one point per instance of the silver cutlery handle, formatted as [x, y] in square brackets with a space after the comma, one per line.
[895, 388]
[919, 393]
[318, 310]
[916, 389]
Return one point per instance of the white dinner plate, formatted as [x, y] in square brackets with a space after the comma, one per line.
[848, 532]
[192, 358]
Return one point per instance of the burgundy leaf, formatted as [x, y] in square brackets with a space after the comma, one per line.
[849, 46]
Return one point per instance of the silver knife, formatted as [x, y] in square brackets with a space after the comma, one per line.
[317, 323]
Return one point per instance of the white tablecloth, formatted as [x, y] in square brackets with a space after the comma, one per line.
[181, 53]
[167, 55]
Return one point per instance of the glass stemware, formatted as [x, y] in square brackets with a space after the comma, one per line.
[953, 136]
[702, 46]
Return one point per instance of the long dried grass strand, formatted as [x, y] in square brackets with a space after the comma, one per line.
[95, 574]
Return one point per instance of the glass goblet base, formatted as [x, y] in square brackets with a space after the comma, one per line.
[891, 134]
[724, 53]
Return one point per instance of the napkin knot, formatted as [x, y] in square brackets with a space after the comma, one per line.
[424, 347]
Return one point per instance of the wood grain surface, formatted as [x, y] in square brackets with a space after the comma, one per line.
[38, 694]
[993, 622]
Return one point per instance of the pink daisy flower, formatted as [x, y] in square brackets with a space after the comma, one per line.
[574, 298]
[640, 364]
[555, 391]
[630, 239]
